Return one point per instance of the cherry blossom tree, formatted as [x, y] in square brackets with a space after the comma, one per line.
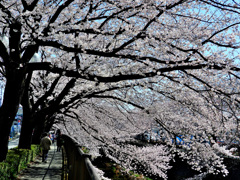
[39, 110]
[47, 95]
[151, 44]
[199, 123]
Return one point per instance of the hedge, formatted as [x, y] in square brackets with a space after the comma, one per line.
[17, 159]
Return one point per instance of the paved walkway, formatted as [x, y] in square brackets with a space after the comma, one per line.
[52, 170]
[13, 143]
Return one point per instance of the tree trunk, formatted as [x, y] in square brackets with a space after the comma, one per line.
[49, 124]
[26, 133]
[27, 121]
[12, 97]
[39, 128]
[37, 134]
[4, 136]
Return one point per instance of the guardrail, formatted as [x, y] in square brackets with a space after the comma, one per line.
[79, 166]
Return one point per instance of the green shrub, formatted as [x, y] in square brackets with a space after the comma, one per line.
[17, 159]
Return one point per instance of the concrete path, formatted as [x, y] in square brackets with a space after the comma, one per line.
[38, 170]
[13, 143]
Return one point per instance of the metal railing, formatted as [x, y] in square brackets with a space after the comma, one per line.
[79, 166]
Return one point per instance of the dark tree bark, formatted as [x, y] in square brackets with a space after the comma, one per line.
[49, 123]
[27, 121]
[12, 97]
[26, 132]
[38, 131]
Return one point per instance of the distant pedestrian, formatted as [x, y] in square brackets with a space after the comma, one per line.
[53, 137]
[59, 140]
[45, 145]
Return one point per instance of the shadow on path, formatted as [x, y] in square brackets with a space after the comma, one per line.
[38, 170]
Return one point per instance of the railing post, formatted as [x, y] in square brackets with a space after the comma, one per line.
[79, 165]
[64, 164]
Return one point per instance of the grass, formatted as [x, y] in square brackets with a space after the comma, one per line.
[17, 160]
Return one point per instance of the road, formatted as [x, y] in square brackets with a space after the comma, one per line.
[13, 143]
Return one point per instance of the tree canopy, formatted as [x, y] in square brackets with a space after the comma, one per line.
[181, 56]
